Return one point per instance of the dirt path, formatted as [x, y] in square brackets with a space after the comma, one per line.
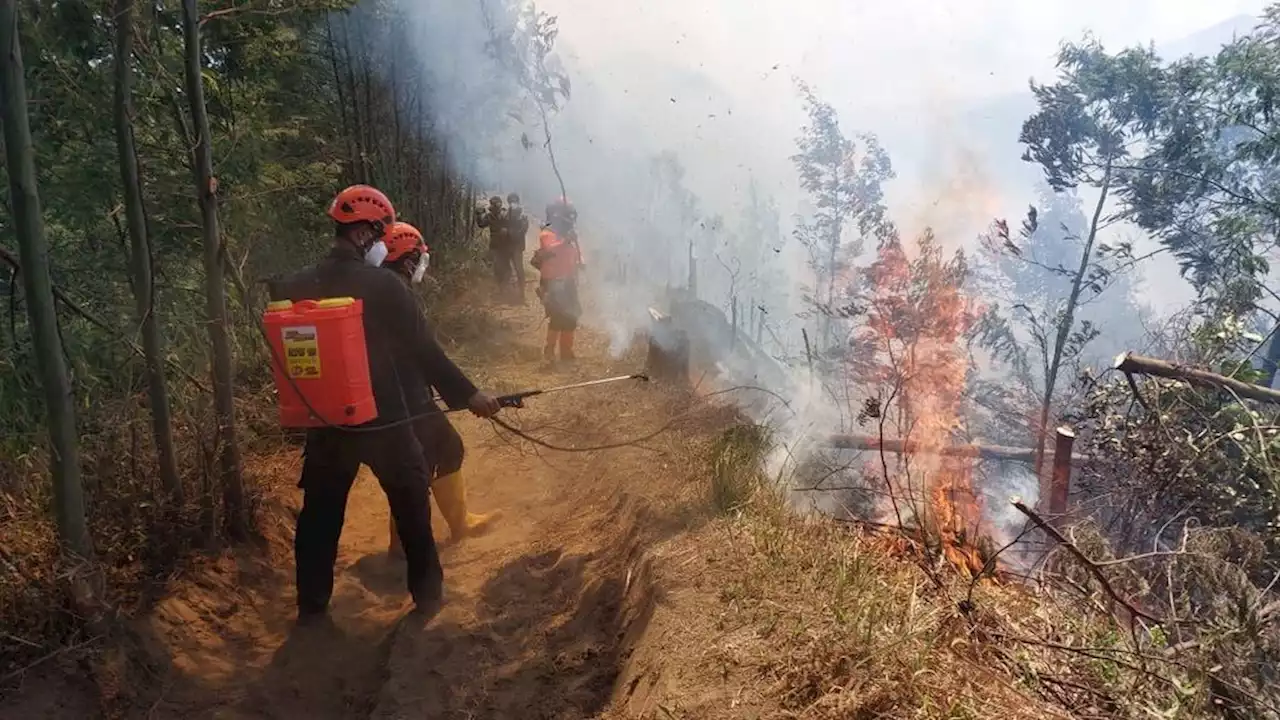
[537, 608]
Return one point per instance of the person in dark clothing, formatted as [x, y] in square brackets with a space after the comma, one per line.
[513, 251]
[396, 336]
[408, 257]
[495, 219]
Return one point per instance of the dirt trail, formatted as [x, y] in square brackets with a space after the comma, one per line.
[539, 610]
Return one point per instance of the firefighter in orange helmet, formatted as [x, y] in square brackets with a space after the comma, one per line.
[558, 260]
[397, 336]
[409, 257]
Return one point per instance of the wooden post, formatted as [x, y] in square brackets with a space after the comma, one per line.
[1060, 484]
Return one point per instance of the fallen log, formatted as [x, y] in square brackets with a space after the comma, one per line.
[892, 445]
[1131, 363]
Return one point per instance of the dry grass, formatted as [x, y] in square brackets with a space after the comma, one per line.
[772, 615]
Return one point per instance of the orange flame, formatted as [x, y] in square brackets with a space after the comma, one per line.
[917, 319]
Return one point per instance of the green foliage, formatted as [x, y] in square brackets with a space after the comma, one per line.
[1192, 144]
[1215, 458]
[302, 99]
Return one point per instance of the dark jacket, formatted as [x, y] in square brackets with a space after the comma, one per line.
[417, 388]
[398, 337]
[517, 228]
[496, 221]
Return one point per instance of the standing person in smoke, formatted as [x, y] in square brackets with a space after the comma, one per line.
[495, 219]
[409, 257]
[517, 231]
[559, 260]
[397, 336]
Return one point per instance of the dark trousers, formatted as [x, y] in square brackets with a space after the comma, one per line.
[508, 263]
[441, 444]
[560, 300]
[331, 459]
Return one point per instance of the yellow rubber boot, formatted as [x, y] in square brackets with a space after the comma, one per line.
[451, 498]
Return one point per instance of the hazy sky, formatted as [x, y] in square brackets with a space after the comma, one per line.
[877, 51]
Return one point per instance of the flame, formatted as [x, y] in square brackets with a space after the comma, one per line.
[916, 322]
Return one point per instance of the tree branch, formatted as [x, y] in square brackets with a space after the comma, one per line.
[1089, 565]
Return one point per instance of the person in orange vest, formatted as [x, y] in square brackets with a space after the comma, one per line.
[558, 260]
[409, 256]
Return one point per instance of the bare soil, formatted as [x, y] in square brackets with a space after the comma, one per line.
[542, 610]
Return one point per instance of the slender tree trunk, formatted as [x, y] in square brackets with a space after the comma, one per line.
[342, 100]
[140, 256]
[1068, 320]
[395, 115]
[362, 149]
[228, 446]
[836, 236]
[68, 490]
[371, 121]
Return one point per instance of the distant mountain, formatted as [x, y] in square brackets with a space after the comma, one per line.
[1209, 40]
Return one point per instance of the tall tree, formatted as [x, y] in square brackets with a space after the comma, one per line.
[1027, 281]
[38, 287]
[206, 185]
[140, 253]
[1082, 134]
[1208, 185]
[846, 185]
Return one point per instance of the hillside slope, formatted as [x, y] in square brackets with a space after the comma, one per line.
[663, 579]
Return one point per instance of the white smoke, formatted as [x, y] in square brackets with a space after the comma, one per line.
[705, 87]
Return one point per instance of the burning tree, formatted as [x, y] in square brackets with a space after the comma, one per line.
[913, 348]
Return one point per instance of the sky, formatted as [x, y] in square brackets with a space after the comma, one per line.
[880, 51]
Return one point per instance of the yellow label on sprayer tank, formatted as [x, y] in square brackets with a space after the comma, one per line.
[302, 352]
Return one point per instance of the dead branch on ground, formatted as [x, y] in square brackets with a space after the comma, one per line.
[1089, 565]
[1132, 363]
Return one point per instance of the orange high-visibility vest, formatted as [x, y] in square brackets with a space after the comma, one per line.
[561, 258]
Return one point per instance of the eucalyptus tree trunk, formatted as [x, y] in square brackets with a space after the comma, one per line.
[236, 517]
[68, 489]
[1068, 321]
[140, 255]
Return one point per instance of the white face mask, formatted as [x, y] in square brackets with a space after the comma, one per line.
[421, 270]
[376, 253]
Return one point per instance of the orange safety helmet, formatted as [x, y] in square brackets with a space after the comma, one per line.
[402, 242]
[403, 239]
[362, 203]
[562, 207]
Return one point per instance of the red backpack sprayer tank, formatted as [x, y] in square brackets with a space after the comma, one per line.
[321, 366]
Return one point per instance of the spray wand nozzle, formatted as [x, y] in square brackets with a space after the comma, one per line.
[516, 399]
